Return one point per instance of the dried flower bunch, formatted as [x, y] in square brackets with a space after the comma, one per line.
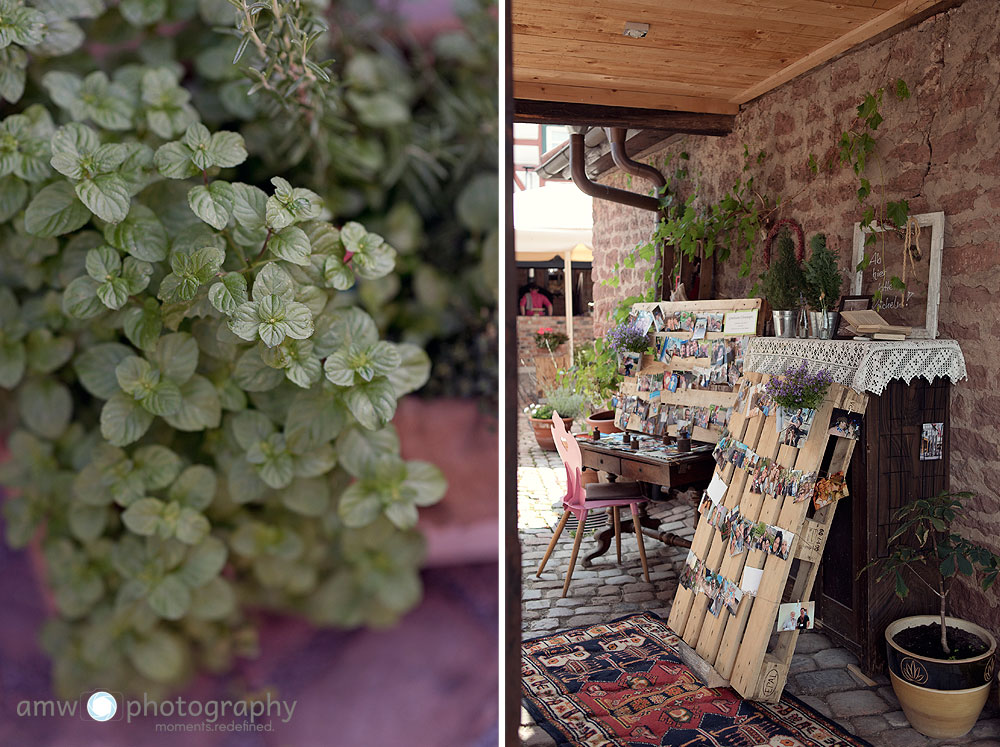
[797, 387]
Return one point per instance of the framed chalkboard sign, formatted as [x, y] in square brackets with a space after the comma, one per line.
[919, 307]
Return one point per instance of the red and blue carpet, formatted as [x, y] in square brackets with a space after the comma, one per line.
[621, 684]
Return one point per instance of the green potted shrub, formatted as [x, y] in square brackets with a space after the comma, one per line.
[568, 403]
[202, 408]
[822, 279]
[595, 373]
[941, 667]
[782, 286]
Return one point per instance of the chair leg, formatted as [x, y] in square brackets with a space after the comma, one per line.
[617, 513]
[576, 551]
[638, 536]
[552, 543]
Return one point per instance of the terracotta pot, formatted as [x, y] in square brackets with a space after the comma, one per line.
[940, 697]
[602, 421]
[463, 441]
[543, 431]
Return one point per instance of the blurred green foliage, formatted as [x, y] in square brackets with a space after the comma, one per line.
[191, 342]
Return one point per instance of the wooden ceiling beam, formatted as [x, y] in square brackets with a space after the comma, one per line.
[609, 95]
[596, 115]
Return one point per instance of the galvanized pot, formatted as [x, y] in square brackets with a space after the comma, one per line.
[784, 322]
[823, 324]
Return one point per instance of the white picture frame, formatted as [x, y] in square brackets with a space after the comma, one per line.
[935, 221]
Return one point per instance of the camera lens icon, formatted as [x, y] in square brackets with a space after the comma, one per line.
[102, 706]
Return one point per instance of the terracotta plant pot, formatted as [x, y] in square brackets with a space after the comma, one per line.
[543, 431]
[940, 697]
[602, 421]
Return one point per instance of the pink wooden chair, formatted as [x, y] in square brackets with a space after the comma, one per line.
[581, 499]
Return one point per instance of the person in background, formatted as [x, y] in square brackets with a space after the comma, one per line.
[534, 302]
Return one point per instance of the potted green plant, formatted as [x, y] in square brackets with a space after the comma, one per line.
[781, 284]
[568, 403]
[547, 338]
[822, 287]
[595, 374]
[941, 667]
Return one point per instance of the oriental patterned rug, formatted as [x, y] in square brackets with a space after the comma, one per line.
[621, 684]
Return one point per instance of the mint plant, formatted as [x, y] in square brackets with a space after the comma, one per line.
[202, 409]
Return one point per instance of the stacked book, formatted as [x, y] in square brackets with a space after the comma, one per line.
[869, 324]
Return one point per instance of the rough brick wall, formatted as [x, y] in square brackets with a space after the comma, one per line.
[941, 151]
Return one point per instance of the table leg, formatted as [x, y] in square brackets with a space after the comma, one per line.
[650, 527]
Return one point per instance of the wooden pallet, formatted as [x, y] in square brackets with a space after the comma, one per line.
[735, 646]
[717, 394]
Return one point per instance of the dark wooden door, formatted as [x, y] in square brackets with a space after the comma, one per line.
[886, 471]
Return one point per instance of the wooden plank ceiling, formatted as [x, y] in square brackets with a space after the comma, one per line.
[705, 56]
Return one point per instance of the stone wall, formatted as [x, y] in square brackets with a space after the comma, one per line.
[940, 150]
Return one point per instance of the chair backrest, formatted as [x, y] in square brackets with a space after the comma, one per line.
[569, 451]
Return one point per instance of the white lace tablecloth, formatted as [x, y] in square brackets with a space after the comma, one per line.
[863, 365]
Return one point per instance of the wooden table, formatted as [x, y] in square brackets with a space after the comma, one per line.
[677, 471]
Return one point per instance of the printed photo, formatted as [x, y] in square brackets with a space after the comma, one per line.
[673, 322]
[830, 490]
[643, 383]
[750, 581]
[715, 321]
[796, 616]
[715, 604]
[643, 320]
[845, 424]
[794, 425]
[658, 320]
[656, 382]
[732, 595]
[688, 575]
[780, 542]
[700, 328]
[672, 384]
[932, 442]
[738, 535]
[628, 363]
[807, 487]
[718, 352]
[687, 319]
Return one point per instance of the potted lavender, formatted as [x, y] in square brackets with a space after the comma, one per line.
[797, 392]
[629, 341]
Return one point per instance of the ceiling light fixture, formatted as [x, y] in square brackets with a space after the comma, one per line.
[635, 30]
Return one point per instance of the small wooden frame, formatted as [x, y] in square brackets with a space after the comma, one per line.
[735, 646]
[929, 281]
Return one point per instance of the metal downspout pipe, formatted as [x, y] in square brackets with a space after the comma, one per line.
[578, 170]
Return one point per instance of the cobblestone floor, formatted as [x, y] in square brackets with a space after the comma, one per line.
[818, 675]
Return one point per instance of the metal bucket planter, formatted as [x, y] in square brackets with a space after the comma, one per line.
[784, 323]
[823, 324]
[940, 697]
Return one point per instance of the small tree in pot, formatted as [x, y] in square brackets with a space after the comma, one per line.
[941, 667]
[822, 286]
[782, 285]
